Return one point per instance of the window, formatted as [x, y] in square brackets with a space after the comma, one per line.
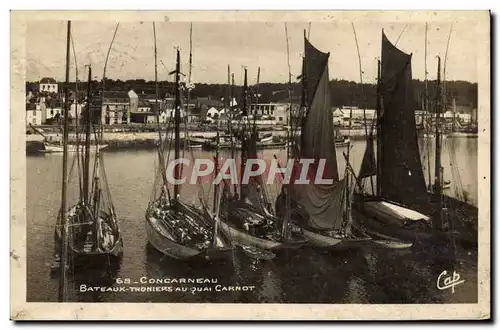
[34, 112]
[280, 118]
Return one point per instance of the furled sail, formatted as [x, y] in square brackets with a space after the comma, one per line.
[402, 177]
[254, 189]
[321, 202]
[368, 165]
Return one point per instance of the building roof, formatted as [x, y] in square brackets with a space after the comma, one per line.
[48, 80]
[116, 97]
[149, 96]
[143, 103]
[30, 106]
[209, 102]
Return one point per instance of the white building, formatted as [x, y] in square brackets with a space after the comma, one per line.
[465, 117]
[212, 113]
[48, 85]
[33, 115]
[115, 108]
[277, 112]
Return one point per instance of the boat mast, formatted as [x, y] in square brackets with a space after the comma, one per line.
[256, 102]
[379, 131]
[244, 140]
[177, 120]
[289, 121]
[101, 130]
[364, 102]
[437, 190]
[231, 136]
[190, 67]
[227, 105]
[453, 120]
[289, 135]
[157, 114]
[64, 233]
[88, 125]
[425, 119]
[156, 91]
[216, 187]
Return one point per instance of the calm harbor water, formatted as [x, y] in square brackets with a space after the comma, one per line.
[368, 275]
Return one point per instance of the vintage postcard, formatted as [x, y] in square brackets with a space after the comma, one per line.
[250, 165]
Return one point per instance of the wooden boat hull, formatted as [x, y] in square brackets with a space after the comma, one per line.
[163, 242]
[246, 239]
[463, 134]
[260, 146]
[90, 260]
[380, 219]
[383, 219]
[49, 148]
[334, 243]
[342, 143]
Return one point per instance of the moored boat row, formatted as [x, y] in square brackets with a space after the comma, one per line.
[334, 216]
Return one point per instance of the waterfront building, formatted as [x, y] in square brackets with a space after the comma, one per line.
[277, 112]
[48, 85]
[115, 108]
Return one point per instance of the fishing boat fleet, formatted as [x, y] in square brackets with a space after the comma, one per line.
[399, 210]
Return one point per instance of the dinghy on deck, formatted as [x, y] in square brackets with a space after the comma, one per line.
[401, 205]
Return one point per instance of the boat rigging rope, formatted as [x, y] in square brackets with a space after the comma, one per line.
[455, 172]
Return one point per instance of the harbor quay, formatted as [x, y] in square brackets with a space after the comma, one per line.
[148, 140]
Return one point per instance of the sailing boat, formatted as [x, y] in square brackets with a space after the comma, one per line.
[88, 232]
[321, 210]
[247, 217]
[174, 228]
[402, 207]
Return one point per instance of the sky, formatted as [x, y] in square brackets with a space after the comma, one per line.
[250, 44]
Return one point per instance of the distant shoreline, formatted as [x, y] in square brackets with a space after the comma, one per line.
[117, 141]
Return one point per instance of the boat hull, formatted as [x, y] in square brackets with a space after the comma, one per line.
[463, 134]
[166, 245]
[162, 242]
[379, 218]
[90, 260]
[237, 146]
[246, 239]
[388, 221]
[342, 143]
[71, 148]
[334, 243]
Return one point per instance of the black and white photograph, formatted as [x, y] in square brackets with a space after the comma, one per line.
[232, 159]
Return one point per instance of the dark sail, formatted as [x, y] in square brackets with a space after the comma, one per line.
[321, 202]
[318, 140]
[402, 177]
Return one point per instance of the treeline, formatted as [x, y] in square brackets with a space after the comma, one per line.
[343, 92]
